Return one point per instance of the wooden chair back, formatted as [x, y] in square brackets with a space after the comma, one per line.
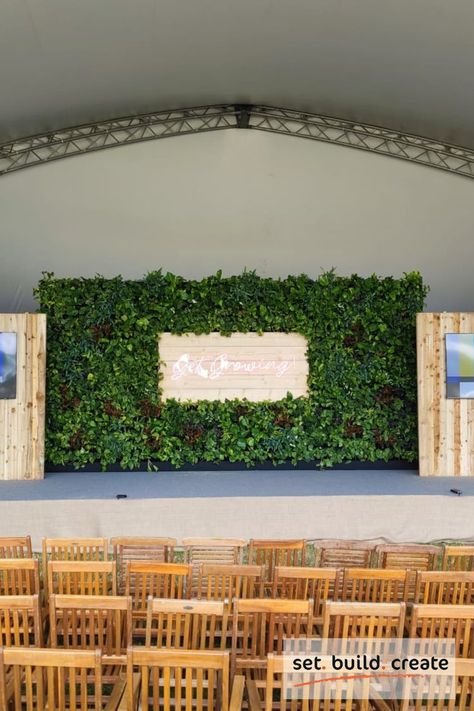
[187, 624]
[19, 576]
[215, 551]
[125, 548]
[464, 696]
[344, 620]
[273, 553]
[374, 585]
[261, 625]
[75, 549]
[50, 680]
[224, 582]
[173, 680]
[343, 554]
[407, 556]
[445, 587]
[271, 697]
[15, 547]
[319, 584]
[20, 621]
[80, 577]
[445, 622]
[458, 558]
[91, 622]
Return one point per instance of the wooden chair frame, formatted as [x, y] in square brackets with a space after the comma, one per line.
[15, 547]
[444, 587]
[445, 621]
[154, 549]
[319, 584]
[363, 620]
[225, 582]
[274, 553]
[335, 553]
[91, 621]
[187, 624]
[407, 556]
[459, 558]
[374, 585]
[181, 679]
[20, 621]
[79, 577]
[19, 576]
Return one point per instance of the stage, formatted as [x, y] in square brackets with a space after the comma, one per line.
[387, 505]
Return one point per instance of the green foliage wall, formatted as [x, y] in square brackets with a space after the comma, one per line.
[103, 402]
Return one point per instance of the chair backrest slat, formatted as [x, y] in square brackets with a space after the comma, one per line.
[187, 624]
[82, 577]
[125, 548]
[90, 622]
[19, 576]
[374, 585]
[173, 680]
[224, 582]
[20, 621]
[39, 679]
[445, 587]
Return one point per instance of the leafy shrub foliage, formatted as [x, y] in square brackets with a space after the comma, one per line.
[103, 402]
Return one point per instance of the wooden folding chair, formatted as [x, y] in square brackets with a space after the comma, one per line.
[343, 620]
[158, 580]
[462, 701]
[407, 556]
[374, 585]
[15, 547]
[215, 551]
[53, 680]
[80, 577]
[260, 626]
[173, 680]
[271, 698]
[343, 554]
[187, 624]
[224, 582]
[458, 558]
[20, 621]
[273, 553]
[125, 548]
[445, 622]
[444, 587]
[75, 549]
[19, 576]
[319, 584]
[90, 622]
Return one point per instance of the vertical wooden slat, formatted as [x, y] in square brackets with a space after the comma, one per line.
[445, 426]
[22, 418]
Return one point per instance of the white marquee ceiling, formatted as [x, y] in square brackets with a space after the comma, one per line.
[407, 65]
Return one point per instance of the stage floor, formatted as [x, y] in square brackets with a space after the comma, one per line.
[391, 505]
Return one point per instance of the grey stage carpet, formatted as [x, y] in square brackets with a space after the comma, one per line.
[171, 485]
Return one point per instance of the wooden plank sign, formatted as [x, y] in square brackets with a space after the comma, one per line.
[445, 424]
[243, 365]
[22, 397]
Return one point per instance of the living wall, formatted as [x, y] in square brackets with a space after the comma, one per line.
[103, 400]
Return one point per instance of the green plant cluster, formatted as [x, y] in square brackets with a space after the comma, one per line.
[103, 399]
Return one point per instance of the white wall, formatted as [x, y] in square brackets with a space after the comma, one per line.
[231, 200]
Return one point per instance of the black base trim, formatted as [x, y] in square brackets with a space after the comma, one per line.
[239, 466]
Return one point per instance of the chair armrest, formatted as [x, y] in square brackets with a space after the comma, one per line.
[237, 693]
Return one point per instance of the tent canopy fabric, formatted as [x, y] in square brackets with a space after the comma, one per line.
[403, 64]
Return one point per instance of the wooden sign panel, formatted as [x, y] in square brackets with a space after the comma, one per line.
[445, 424]
[243, 365]
[22, 399]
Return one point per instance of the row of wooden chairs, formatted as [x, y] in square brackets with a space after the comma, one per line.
[168, 680]
[270, 553]
[218, 582]
[249, 628]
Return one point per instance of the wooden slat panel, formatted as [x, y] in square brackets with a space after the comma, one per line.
[445, 425]
[257, 367]
[22, 419]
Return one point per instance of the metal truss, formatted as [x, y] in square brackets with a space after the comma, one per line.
[80, 140]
